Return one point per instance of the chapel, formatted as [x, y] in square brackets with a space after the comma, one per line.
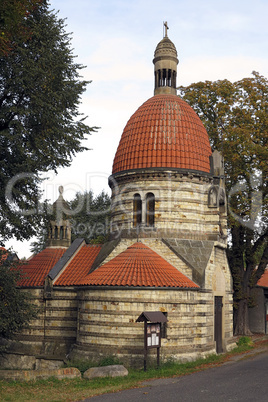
[166, 252]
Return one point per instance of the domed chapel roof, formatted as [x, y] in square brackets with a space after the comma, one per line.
[164, 132]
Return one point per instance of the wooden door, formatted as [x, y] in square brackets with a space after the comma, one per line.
[218, 323]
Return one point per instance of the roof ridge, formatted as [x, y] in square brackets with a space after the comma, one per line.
[69, 253]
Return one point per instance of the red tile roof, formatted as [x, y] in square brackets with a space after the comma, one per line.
[79, 266]
[138, 266]
[36, 269]
[164, 132]
[263, 281]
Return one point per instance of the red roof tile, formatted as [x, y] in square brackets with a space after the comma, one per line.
[158, 132]
[79, 266]
[263, 281]
[36, 269]
[138, 266]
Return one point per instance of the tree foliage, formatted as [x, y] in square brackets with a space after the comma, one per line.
[236, 118]
[92, 219]
[41, 237]
[16, 307]
[40, 124]
[13, 14]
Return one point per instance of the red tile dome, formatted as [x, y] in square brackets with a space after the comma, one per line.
[164, 132]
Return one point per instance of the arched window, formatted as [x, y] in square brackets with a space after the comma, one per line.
[150, 207]
[137, 207]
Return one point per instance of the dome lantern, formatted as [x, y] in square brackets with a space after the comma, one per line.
[165, 66]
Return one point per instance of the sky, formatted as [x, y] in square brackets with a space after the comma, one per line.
[115, 41]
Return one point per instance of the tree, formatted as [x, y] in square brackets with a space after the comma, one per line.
[236, 118]
[16, 308]
[40, 125]
[90, 219]
[43, 229]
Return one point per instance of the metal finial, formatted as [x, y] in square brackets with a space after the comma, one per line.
[61, 189]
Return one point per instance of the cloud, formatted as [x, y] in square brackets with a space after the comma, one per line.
[195, 69]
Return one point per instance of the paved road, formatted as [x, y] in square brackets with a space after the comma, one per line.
[244, 380]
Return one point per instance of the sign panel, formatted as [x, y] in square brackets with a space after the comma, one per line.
[153, 335]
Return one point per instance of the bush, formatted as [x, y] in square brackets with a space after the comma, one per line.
[16, 306]
[244, 340]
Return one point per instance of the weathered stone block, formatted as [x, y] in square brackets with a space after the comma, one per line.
[116, 370]
[17, 361]
[48, 364]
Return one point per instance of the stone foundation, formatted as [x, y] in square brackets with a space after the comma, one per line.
[29, 375]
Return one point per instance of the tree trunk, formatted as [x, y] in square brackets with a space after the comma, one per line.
[242, 319]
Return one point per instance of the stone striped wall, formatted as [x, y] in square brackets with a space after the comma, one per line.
[32, 338]
[54, 331]
[181, 206]
[107, 323]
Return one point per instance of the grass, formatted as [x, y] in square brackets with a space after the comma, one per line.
[54, 390]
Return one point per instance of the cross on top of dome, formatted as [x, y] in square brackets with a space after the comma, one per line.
[166, 27]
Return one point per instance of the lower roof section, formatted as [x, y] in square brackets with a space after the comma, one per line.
[263, 281]
[35, 270]
[138, 266]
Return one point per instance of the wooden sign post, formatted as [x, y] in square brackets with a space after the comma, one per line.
[152, 332]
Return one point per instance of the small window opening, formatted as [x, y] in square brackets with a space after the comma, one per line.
[137, 209]
[150, 209]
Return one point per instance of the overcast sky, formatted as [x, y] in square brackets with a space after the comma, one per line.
[116, 39]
